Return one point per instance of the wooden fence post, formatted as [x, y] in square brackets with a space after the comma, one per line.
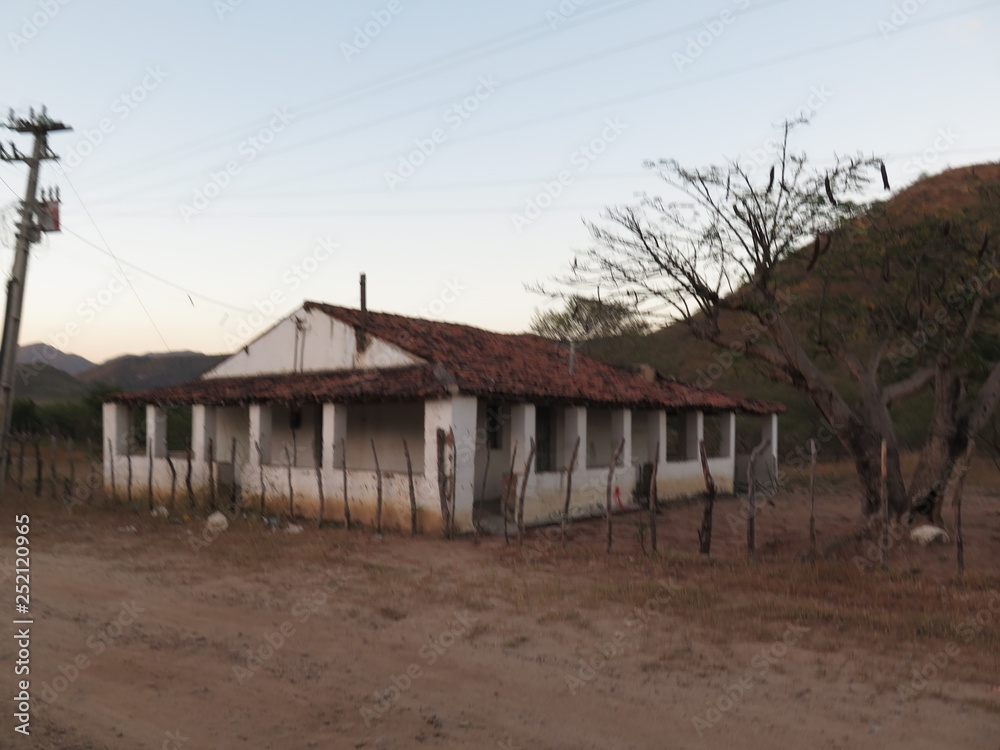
[291, 492]
[569, 488]
[378, 492]
[653, 507]
[413, 495]
[111, 456]
[128, 463]
[705, 532]
[510, 494]
[211, 475]
[812, 498]
[752, 498]
[611, 481]
[524, 488]
[956, 501]
[173, 480]
[53, 457]
[187, 475]
[347, 505]
[885, 512]
[149, 478]
[486, 476]
[260, 474]
[443, 494]
[453, 483]
[232, 486]
[318, 458]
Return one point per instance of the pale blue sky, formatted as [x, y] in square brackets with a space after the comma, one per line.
[187, 89]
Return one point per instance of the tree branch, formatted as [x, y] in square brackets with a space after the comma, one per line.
[907, 387]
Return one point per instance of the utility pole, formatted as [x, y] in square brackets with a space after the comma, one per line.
[36, 217]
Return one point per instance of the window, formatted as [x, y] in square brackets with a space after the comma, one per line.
[494, 426]
[545, 439]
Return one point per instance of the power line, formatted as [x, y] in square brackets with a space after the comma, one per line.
[394, 80]
[156, 277]
[115, 259]
[445, 101]
[647, 93]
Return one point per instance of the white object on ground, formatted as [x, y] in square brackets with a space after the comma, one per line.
[926, 535]
[217, 523]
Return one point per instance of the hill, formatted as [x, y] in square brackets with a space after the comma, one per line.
[139, 372]
[47, 385]
[48, 355]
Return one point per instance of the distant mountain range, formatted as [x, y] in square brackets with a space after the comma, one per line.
[49, 355]
[47, 375]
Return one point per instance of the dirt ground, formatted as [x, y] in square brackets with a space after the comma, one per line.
[149, 633]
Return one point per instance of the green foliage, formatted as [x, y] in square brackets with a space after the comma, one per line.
[79, 419]
[584, 319]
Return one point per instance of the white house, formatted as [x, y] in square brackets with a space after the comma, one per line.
[321, 386]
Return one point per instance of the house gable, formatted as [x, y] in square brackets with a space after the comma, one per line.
[309, 340]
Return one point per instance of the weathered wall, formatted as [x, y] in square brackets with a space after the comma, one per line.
[329, 345]
[387, 425]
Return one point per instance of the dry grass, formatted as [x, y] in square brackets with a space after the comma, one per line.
[905, 611]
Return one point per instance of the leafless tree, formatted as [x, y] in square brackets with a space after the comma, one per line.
[782, 265]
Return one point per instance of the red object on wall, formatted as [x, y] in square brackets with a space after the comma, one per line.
[48, 215]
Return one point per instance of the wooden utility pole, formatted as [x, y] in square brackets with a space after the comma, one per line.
[36, 217]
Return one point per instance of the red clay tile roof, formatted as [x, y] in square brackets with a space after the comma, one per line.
[461, 359]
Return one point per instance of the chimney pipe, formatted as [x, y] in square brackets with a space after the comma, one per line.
[362, 330]
[364, 300]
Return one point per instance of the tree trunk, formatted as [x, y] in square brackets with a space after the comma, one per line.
[941, 448]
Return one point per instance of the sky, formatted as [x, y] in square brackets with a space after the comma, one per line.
[232, 158]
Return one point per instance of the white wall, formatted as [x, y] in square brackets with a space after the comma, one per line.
[387, 425]
[329, 345]
[599, 441]
[301, 449]
[545, 495]
[499, 458]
